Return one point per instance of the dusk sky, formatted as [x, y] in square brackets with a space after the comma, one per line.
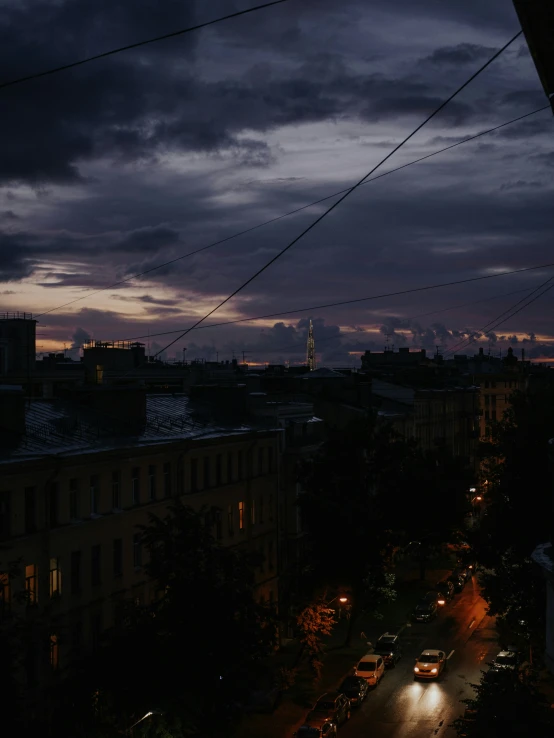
[113, 167]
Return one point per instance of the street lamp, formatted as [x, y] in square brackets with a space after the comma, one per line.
[343, 599]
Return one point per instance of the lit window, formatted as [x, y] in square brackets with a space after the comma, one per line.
[54, 651]
[31, 583]
[241, 515]
[55, 578]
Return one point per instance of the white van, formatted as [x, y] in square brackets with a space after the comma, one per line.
[371, 668]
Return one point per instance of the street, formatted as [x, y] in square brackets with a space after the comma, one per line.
[399, 707]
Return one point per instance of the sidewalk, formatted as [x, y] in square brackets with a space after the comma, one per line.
[338, 659]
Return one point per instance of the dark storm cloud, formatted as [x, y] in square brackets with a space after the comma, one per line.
[80, 337]
[148, 239]
[459, 54]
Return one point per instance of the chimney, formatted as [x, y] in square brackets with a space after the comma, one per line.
[12, 414]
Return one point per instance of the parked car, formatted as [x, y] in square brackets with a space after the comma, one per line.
[318, 727]
[445, 591]
[355, 689]
[371, 667]
[335, 706]
[506, 660]
[458, 581]
[429, 664]
[424, 612]
[388, 646]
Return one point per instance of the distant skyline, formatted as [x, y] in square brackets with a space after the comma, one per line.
[116, 166]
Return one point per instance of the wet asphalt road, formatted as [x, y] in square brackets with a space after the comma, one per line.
[399, 707]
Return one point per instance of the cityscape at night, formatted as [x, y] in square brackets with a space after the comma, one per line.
[276, 394]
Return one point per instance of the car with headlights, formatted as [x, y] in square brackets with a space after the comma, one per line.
[317, 727]
[429, 664]
[371, 667]
[388, 646]
[333, 705]
[445, 592]
[355, 689]
[424, 612]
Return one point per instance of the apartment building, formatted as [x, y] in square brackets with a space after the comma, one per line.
[72, 495]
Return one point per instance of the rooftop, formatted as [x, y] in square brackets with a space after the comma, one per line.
[60, 427]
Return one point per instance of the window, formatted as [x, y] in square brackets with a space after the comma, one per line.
[167, 479]
[230, 522]
[261, 508]
[240, 465]
[262, 558]
[30, 509]
[5, 515]
[135, 486]
[253, 512]
[54, 651]
[493, 413]
[218, 533]
[137, 551]
[206, 471]
[270, 505]
[260, 460]
[487, 415]
[95, 554]
[116, 490]
[152, 482]
[229, 467]
[218, 469]
[52, 501]
[241, 515]
[270, 459]
[270, 555]
[31, 583]
[493, 400]
[194, 475]
[487, 400]
[74, 499]
[94, 494]
[117, 557]
[55, 578]
[75, 572]
[5, 595]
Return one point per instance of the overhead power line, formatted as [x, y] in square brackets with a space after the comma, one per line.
[500, 319]
[344, 196]
[136, 45]
[348, 302]
[90, 293]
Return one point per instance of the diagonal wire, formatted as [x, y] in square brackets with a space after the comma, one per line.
[346, 194]
[348, 302]
[136, 45]
[496, 322]
[90, 293]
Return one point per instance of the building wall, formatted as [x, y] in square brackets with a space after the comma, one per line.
[495, 397]
[74, 519]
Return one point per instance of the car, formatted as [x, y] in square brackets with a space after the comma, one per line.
[430, 596]
[371, 667]
[335, 706]
[388, 646]
[464, 572]
[424, 612]
[506, 660]
[355, 689]
[458, 581]
[445, 591]
[466, 721]
[318, 727]
[429, 664]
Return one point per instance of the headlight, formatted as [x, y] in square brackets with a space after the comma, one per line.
[416, 668]
[433, 671]
[441, 602]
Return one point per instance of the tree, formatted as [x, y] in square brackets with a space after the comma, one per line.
[518, 515]
[504, 705]
[314, 621]
[190, 655]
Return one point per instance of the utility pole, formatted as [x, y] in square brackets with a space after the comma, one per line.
[310, 349]
[244, 355]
